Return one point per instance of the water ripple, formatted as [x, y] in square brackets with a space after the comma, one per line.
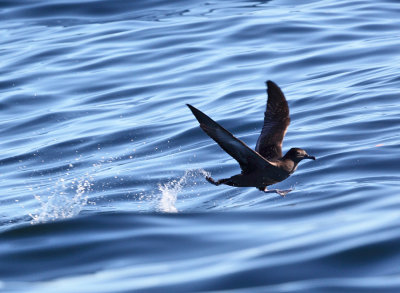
[97, 143]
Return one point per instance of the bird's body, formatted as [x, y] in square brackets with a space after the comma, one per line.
[266, 165]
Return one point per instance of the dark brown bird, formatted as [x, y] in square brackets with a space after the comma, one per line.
[266, 165]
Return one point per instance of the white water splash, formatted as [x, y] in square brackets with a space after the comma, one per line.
[170, 190]
[61, 204]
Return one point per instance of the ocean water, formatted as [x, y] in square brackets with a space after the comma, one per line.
[102, 184]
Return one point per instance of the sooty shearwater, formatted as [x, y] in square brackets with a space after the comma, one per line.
[266, 165]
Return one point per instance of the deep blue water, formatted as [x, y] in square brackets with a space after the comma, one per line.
[102, 164]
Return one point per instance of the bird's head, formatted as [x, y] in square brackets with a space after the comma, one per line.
[297, 154]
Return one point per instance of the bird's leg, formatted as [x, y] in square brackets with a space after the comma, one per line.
[212, 181]
[280, 192]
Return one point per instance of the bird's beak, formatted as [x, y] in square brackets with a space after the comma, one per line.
[310, 157]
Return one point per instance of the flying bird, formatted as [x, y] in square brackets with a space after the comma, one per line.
[265, 165]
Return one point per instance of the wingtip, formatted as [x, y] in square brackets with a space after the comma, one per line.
[197, 113]
[191, 107]
[270, 83]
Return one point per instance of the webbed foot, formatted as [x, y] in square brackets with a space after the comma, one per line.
[219, 182]
[280, 192]
[212, 181]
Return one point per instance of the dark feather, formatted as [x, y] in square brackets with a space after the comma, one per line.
[276, 122]
[246, 157]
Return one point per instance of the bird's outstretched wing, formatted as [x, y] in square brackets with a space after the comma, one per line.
[247, 158]
[276, 122]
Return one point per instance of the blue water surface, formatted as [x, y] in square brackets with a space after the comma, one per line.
[102, 184]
